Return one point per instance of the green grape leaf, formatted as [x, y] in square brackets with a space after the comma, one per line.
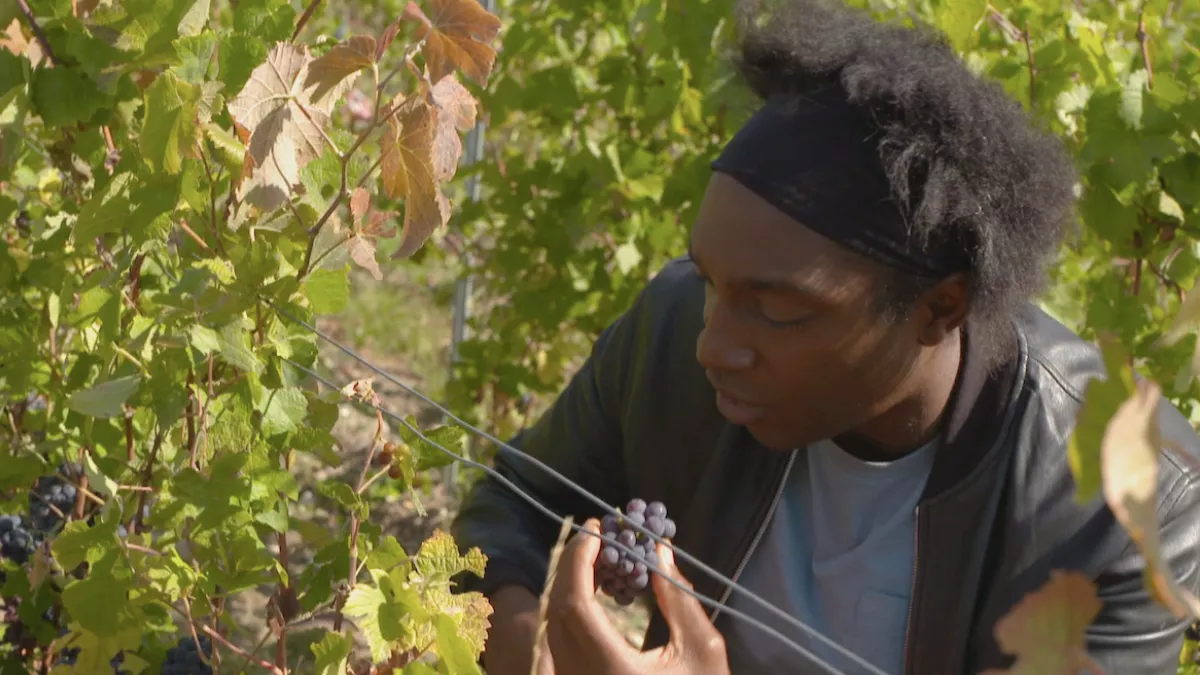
[328, 291]
[457, 654]
[105, 399]
[451, 437]
[100, 602]
[204, 339]
[283, 410]
[64, 96]
[364, 607]
[170, 126]
[79, 542]
[332, 654]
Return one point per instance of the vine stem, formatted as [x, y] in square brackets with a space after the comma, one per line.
[238, 650]
[37, 31]
[1144, 42]
[147, 474]
[308, 12]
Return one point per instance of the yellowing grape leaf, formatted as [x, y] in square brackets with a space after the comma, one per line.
[1100, 402]
[1047, 630]
[456, 112]
[331, 75]
[456, 34]
[1129, 463]
[286, 128]
[407, 170]
[439, 559]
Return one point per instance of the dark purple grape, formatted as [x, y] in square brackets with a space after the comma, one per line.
[609, 524]
[639, 569]
[640, 582]
[625, 598]
[656, 509]
[656, 525]
[636, 518]
[635, 506]
[668, 528]
[627, 538]
[651, 558]
[610, 554]
[626, 566]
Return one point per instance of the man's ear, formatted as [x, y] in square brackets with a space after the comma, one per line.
[942, 309]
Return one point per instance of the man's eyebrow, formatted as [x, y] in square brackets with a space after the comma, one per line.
[781, 284]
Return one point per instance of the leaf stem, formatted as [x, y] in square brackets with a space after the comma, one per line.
[308, 12]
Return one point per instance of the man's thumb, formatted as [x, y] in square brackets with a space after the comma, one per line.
[685, 616]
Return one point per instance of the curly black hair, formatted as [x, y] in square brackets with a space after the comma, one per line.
[962, 158]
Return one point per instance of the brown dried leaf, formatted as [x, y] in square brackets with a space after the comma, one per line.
[360, 201]
[456, 34]
[386, 37]
[331, 76]
[456, 113]
[1129, 458]
[408, 170]
[362, 390]
[285, 130]
[1047, 630]
[362, 251]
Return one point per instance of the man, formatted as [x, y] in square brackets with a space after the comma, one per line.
[843, 394]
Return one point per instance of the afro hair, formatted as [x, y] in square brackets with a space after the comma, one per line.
[963, 159]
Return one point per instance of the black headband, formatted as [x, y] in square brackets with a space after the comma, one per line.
[814, 158]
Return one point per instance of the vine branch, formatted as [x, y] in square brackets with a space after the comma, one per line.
[37, 31]
[1144, 42]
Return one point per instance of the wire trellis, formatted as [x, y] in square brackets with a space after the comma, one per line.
[583, 492]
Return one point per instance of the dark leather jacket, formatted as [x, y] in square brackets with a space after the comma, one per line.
[997, 516]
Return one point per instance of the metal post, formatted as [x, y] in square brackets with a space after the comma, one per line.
[464, 285]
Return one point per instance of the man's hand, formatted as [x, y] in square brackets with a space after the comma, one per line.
[509, 649]
[583, 640]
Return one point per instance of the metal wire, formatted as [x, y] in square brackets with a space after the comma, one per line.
[707, 602]
[583, 492]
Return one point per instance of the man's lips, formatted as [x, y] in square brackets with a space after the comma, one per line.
[739, 411]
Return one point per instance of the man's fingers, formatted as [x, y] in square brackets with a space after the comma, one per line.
[691, 629]
[578, 629]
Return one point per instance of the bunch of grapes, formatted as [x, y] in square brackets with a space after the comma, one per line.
[623, 575]
[184, 658]
[50, 493]
[16, 543]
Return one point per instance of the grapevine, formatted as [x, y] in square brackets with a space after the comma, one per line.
[173, 171]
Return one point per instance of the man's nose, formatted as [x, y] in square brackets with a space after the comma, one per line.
[718, 347]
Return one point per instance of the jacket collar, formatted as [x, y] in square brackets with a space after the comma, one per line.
[976, 414]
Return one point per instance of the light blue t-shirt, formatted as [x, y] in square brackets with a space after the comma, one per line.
[837, 555]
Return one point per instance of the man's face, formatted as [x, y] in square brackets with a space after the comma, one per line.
[793, 342]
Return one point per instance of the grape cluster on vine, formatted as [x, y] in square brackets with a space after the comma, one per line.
[625, 575]
[185, 659]
[52, 499]
[16, 543]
